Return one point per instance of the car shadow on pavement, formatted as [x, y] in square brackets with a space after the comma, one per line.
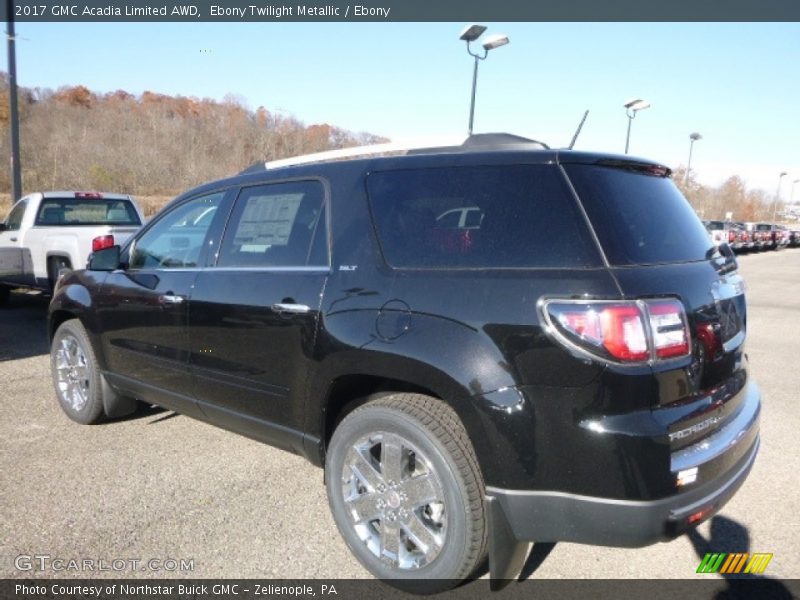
[728, 536]
[165, 417]
[143, 411]
[537, 556]
[23, 326]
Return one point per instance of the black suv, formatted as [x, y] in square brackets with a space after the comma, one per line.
[483, 345]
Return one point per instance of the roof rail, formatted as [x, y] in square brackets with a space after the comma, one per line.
[488, 141]
[371, 150]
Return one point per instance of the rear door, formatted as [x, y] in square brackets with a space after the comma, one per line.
[253, 314]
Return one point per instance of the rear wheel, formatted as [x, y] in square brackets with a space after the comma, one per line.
[76, 376]
[54, 265]
[406, 492]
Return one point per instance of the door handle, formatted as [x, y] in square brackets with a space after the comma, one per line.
[294, 309]
[171, 299]
[13, 239]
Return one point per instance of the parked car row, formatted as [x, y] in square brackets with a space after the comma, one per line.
[744, 237]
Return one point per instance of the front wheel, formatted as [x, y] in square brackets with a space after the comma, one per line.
[406, 492]
[76, 376]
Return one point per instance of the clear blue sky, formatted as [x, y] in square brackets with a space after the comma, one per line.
[737, 84]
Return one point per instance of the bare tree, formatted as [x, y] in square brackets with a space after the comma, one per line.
[152, 144]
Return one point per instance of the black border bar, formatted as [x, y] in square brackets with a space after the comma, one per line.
[463, 11]
[700, 587]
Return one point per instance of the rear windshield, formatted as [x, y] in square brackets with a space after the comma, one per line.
[640, 218]
[84, 211]
[513, 216]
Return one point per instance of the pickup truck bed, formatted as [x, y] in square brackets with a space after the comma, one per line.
[49, 231]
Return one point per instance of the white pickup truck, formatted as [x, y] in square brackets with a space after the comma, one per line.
[49, 231]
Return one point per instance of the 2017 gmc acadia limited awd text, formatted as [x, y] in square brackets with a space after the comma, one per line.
[483, 345]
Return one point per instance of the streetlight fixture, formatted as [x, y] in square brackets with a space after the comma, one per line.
[777, 195]
[693, 137]
[633, 106]
[471, 34]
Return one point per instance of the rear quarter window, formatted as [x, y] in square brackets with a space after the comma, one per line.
[639, 218]
[512, 216]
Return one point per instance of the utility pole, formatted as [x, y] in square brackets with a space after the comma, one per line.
[13, 116]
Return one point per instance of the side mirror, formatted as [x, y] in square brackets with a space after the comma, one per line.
[106, 259]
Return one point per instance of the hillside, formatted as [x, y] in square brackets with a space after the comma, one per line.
[148, 145]
[155, 146]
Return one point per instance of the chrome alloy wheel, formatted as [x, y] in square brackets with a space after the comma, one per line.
[395, 500]
[72, 373]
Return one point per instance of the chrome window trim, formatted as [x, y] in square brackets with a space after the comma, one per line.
[231, 269]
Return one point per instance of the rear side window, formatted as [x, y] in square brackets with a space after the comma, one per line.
[507, 216]
[276, 225]
[640, 218]
[77, 211]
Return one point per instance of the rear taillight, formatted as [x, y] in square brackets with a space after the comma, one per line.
[731, 236]
[101, 242]
[626, 331]
[668, 328]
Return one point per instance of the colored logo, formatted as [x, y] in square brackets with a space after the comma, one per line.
[737, 562]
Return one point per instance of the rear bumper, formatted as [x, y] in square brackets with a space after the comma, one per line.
[555, 516]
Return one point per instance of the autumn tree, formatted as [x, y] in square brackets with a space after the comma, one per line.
[74, 138]
[156, 144]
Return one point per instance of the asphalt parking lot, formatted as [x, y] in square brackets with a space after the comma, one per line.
[160, 486]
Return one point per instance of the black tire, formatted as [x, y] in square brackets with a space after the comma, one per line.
[434, 446]
[5, 295]
[54, 265]
[75, 373]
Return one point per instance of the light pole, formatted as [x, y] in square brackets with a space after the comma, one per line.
[633, 106]
[693, 137]
[470, 34]
[777, 195]
[791, 197]
[13, 115]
